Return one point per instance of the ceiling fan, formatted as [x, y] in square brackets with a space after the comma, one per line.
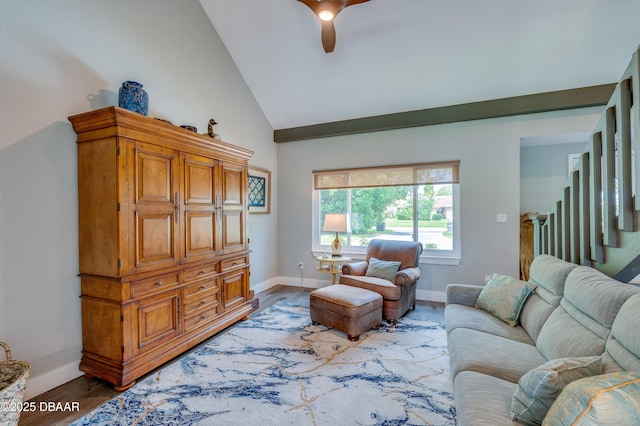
[327, 10]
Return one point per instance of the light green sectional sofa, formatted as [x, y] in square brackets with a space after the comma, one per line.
[579, 327]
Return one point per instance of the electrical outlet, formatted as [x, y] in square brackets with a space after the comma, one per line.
[300, 266]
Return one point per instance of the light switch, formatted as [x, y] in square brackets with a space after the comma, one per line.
[501, 217]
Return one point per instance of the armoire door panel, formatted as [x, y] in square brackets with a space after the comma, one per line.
[154, 175]
[155, 239]
[158, 319]
[199, 175]
[232, 190]
[234, 286]
[232, 234]
[200, 233]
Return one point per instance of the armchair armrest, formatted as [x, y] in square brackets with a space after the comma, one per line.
[355, 268]
[462, 294]
[406, 276]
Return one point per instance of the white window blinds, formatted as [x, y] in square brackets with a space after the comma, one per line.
[408, 174]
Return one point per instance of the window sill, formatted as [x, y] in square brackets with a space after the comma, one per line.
[424, 259]
[440, 260]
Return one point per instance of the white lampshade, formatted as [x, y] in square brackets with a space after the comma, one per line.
[335, 223]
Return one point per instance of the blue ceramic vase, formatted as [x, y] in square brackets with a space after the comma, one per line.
[131, 96]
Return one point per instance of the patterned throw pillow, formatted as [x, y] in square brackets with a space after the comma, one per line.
[608, 399]
[539, 388]
[382, 268]
[504, 297]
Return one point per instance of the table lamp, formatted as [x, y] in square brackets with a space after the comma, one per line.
[335, 223]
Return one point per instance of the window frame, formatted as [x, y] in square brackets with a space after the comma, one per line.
[428, 256]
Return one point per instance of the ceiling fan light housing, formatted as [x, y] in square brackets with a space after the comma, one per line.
[326, 15]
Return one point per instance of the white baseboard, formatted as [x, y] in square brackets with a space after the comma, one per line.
[51, 379]
[427, 295]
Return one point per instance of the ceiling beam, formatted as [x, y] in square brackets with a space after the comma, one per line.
[528, 104]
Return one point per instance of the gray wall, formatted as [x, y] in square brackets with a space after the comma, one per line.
[544, 171]
[66, 57]
[489, 154]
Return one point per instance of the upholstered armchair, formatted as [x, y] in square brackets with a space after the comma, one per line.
[396, 285]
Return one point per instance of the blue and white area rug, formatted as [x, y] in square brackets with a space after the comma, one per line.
[279, 369]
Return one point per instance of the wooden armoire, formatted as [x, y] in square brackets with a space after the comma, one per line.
[164, 253]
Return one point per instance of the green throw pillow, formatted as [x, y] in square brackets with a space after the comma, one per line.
[608, 399]
[504, 297]
[539, 388]
[382, 268]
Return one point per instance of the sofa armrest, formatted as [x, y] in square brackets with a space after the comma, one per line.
[355, 268]
[462, 294]
[406, 276]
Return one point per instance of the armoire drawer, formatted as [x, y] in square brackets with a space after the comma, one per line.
[196, 288]
[199, 319]
[154, 285]
[199, 272]
[237, 262]
[204, 301]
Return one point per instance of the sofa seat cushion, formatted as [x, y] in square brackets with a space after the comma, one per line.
[608, 399]
[539, 388]
[482, 400]
[387, 289]
[463, 316]
[472, 350]
[504, 297]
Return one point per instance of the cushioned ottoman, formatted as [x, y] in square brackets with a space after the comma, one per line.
[349, 309]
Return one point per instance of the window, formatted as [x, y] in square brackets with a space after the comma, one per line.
[409, 202]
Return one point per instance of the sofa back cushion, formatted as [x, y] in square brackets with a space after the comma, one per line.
[582, 323]
[549, 274]
[623, 345]
[405, 252]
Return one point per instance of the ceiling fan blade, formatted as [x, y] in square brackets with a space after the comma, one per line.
[312, 4]
[352, 2]
[328, 36]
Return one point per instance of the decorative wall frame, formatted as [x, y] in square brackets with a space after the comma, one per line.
[259, 190]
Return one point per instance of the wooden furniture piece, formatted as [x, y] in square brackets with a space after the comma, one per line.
[526, 244]
[164, 253]
[398, 293]
[331, 265]
[351, 310]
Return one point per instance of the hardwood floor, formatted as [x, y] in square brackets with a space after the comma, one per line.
[91, 393]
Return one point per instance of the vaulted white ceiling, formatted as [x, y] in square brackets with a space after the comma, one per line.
[402, 55]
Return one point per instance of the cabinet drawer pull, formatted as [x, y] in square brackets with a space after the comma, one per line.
[204, 302]
[201, 272]
[202, 287]
[159, 283]
[203, 317]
